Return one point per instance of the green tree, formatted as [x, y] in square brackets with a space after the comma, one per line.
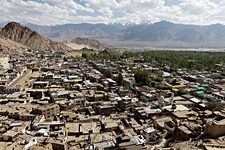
[65, 59]
[182, 91]
[120, 79]
[157, 79]
[108, 73]
[141, 77]
[159, 74]
[214, 106]
[153, 84]
[143, 99]
[165, 87]
[84, 55]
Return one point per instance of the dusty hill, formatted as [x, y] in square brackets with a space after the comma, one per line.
[76, 46]
[25, 36]
[9, 46]
[86, 42]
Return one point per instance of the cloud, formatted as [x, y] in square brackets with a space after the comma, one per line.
[47, 12]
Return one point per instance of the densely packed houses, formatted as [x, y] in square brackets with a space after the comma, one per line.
[51, 103]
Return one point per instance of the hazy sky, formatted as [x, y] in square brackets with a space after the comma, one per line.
[111, 11]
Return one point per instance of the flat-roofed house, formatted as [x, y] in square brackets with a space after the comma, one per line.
[48, 110]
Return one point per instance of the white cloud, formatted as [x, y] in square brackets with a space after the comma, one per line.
[110, 11]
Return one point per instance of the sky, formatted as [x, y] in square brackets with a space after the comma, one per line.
[51, 12]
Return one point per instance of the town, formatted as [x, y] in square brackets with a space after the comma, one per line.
[57, 102]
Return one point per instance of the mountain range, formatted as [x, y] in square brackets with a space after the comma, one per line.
[160, 34]
[15, 36]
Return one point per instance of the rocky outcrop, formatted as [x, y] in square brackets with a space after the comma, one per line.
[29, 38]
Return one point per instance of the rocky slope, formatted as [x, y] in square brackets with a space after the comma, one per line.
[9, 46]
[87, 42]
[31, 39]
